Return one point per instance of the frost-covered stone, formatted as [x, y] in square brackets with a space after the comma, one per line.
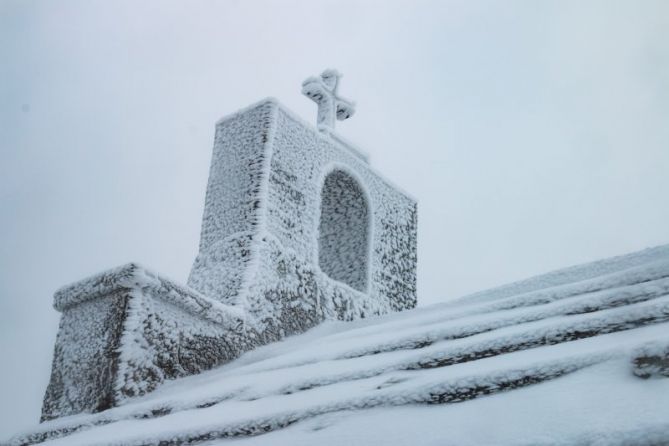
[287, 204]
[323, 91]
[651, 360]
[297, 229]
[124, 331]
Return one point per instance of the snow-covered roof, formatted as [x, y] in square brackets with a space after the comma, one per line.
[577, 356]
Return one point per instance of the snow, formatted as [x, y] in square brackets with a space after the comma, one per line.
[575, 273]
[552, 413]
[553, 365]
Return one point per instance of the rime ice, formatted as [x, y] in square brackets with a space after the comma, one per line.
[323, 91]
[297, 229]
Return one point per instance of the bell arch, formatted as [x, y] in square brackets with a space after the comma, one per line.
[344, 230]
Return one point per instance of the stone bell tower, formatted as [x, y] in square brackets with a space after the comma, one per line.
[297, 228]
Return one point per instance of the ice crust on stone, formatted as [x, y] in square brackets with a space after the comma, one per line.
[264, 201]
[297, 229]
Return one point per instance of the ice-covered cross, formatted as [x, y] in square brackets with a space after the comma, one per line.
[323, 91]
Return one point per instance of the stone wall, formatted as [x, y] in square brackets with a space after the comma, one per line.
[297, 228]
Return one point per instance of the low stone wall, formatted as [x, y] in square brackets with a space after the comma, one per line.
[125, 331]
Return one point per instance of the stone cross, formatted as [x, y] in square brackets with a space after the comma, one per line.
[323, 91]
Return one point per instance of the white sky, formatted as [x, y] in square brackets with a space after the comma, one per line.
[534, 134]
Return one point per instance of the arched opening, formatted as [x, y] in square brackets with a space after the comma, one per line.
[343, 230]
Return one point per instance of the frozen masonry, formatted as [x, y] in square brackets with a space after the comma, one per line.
[297, 229]
[300, 235]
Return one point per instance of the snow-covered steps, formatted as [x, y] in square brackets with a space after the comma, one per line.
[269, 407]
[557, 345]
[580, 304]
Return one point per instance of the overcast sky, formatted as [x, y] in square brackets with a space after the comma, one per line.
[535, 135]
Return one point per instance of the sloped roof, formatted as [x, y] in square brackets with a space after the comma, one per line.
[550, 360]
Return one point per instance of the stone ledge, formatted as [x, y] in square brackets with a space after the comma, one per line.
[133, 276]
